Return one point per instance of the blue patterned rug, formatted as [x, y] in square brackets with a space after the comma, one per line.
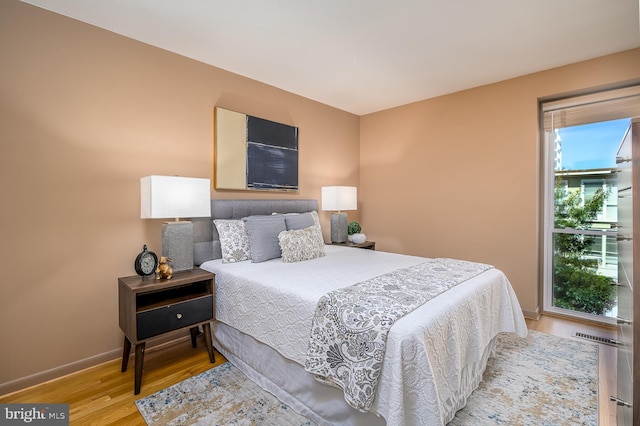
[540, 380]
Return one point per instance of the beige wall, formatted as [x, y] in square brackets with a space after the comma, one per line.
[84, 114]
[457, 176]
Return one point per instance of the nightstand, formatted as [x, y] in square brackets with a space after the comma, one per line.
[150, 308]
[370, 245]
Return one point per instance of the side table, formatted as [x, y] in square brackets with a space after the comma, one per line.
[149, 308]
[370, 245]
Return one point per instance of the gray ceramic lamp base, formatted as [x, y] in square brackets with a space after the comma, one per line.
[177, 243]
[338, 227]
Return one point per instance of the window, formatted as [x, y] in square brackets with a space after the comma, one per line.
[581, 138]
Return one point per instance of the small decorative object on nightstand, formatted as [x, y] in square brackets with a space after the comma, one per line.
[370, 245]
[152, 308]
[355, 233]
[358, 238]
[164, 271]
[146, 262]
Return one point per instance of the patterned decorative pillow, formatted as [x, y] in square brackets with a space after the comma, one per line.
[234, 240]
[301, 244]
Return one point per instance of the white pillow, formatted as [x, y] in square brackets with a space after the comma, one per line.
[234, 240]
[301, 244]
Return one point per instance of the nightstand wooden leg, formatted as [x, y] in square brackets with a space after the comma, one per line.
[207, 338]
[139, 362]
[194, 333]
[125, 354]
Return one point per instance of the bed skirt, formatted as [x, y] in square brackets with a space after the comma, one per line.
[321, 403]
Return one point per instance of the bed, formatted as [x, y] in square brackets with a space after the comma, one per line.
[434, 357]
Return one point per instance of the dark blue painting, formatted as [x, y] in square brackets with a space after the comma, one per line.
[272, 155]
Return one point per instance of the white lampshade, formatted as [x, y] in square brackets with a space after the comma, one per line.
[163, 197]
[338, 198]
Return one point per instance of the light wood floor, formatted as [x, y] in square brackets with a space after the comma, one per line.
[103, 395]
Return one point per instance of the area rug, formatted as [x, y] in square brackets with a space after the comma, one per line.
[220, 396]
[540, 380]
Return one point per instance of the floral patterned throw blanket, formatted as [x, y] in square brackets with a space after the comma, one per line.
[350, 325]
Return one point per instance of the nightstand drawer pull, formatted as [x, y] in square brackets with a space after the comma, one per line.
[179, 316]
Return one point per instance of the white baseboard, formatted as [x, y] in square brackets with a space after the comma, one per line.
[57, 372]
[76, 366]
[534, 315]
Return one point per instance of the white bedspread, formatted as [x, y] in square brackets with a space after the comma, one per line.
[421, 380]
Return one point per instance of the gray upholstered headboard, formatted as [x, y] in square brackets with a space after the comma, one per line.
[206, 243]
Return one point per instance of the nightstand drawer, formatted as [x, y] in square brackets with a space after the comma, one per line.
[172, 317]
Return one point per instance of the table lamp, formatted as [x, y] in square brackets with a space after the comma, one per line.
[165, 197]
[339, 198]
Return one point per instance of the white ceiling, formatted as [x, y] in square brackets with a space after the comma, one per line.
[364, 56]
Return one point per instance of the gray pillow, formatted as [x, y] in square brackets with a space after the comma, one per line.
[298, 221]
[263, 236]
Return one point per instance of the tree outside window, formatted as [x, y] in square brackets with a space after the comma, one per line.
[576, 282]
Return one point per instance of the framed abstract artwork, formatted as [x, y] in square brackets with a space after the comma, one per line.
[252, 153]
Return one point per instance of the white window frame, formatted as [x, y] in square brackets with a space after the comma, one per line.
[594, 107]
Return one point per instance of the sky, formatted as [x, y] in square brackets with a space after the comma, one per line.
[592, 146]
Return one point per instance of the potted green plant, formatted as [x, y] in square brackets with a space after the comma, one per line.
[354, 231]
